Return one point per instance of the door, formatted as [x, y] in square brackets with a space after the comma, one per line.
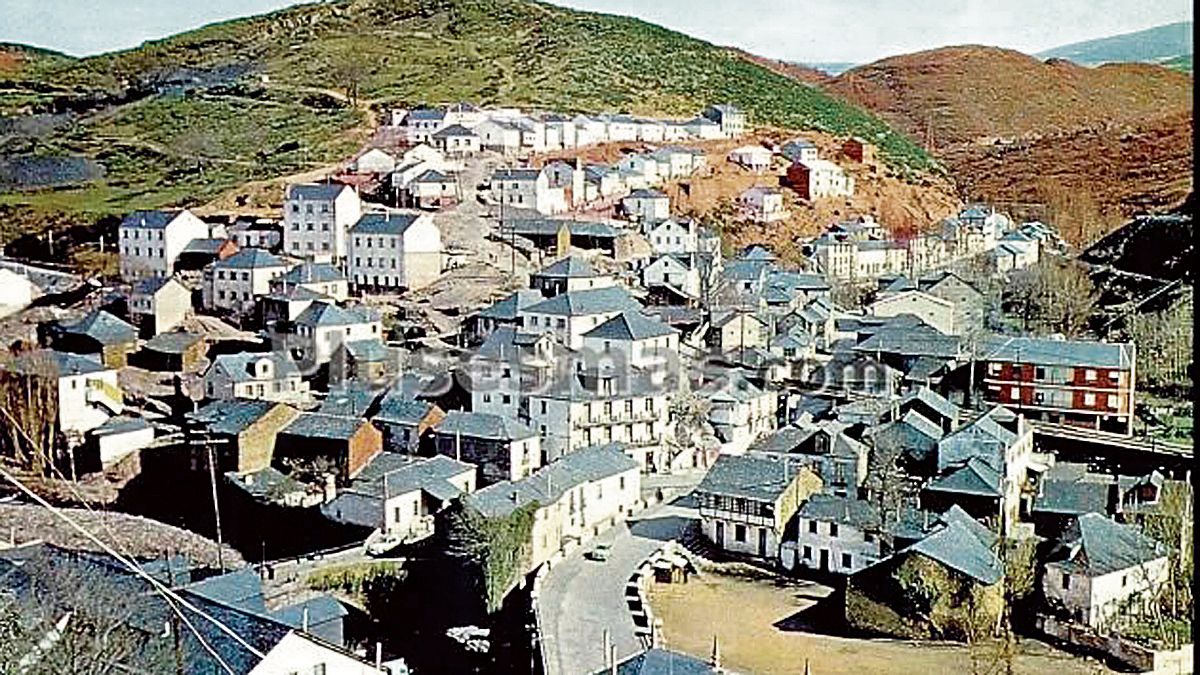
[762, 542]
[720, 534]
[824, 560]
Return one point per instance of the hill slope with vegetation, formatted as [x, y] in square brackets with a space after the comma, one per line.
[1153, 45]
[179, 120]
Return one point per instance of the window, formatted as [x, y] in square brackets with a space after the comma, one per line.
[543, 407]
[319, 669]
[1066, 582]
[833, 529]
[1089, 398]
[739, 533]
[846, 561]
[1014, 394]
[1124, 580]
[1089, 375]
[808, 553]
[506, 399]
[812, 526]
[1113, 401]
[868, 537]
[1039, 373]
[993, 368]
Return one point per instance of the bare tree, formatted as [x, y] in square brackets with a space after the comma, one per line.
[1053, 296]
[348, 72]
[29, 430]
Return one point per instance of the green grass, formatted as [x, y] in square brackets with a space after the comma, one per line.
[516, 52]
[1182, 63]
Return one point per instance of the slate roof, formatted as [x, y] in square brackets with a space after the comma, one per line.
[149, 219]
[550, 482]
[656, 661]
[316, 425]
[1071, 497]
[206, 246]
[425, 114]
[586, 302]
[231, 417]
[321, 609]
[857, 513]
[1044, 351]
[975, 477]
[397, 408]
[570, 267]
[313, 273]
[755, 477]
[349, 402]
[931, 399]
[237, 367]
[316, 191]
[371, 350]
[520, 174]
[330, 314]
[509, 308]
[432, 176]
[63, 363]
[646, 193]
[1095, 545]
[483, 425]
[174, 342]
[548, 227]
[431, 475]
[121, 425]
[241, 589]
[389, 222]
[630, 325]
[151, 285]
[250, 259]
[958, 547]
[454, 130]
[102, 327]
[911, 341]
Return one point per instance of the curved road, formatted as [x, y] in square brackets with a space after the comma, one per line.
[581, 598]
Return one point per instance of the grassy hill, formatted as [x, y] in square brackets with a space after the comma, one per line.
[1154, 45]
[179, 120]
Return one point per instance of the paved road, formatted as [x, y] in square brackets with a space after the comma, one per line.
[581, 598]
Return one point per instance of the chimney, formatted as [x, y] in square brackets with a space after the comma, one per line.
[304, 619]
[378, 656]
[513, 496]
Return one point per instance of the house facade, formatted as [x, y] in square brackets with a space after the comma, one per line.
[149, 242]
[394, 250]
[316, 217]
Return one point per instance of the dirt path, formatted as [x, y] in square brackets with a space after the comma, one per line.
[744, 615]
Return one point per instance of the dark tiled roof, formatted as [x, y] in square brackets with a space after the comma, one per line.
[858, 513]
[657, 661]
[104, 328]
[630, 326]
[550, 482]
[1096, 545]
[62, 363]
[175, 342]
[754, 477]
[431, 475]
[570, 267]
[313, 273]
[370, 350]
[390, 222]
[239, 367]
[454, 130]
[155, 220]
[587, 301]
[316, 191]
[932, 399]
[548, 227]
[231, 417]
[1049, 352]
[483, 425]
[509, 308]
[250, 258]
[958, 547]
[206, 246]
[398, 408]
[973, 477]
[330, 314]
[349, 402]
[316, 425]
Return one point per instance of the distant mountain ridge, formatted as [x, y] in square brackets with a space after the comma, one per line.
[1153, 45]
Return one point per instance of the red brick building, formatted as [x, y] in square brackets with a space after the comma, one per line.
[858, 150]
[1087, 384]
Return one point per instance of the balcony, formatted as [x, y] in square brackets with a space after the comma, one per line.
[104, 394]
[620, 417]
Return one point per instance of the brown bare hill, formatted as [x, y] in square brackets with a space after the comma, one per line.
[961, 94]
[1094, 145]
[796, 71]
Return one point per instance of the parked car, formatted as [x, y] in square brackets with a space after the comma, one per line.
[599, 552]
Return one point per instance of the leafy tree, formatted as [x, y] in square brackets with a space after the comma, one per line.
[492, 552]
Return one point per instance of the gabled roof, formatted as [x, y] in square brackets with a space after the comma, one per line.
[152, 285]
[857, 513]
[973, 477]
[1095, 545]
[508, 308]
[647, 193]
[630, 325]
[958, 547]
[150, 219]
[316, 191]
[454, 130]
[399, 408]
[239, 367]
[102, 327]
[317, 425]
[550, 482]
[353, 401]
[313, 273]
[389, 221]
[756, 477]
[370, 350]
[432, 176]
[1049, 352]
[250, 258]
[174, 342]
[483, 425]
[570, 267]
[231, 417]
[932, 399]
[321, 313]
[586, 302]
[431, 475]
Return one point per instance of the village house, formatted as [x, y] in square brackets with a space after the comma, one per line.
[560, 132]
[431, 190]
[679, 162]
[149, 242]
[393, 250]
[836, 534]
[732, 120]
[367, 361]
[571, 273]
[528, 188]
[98, 332]
[1015, 250]
[678, 236]
[87, 390]
[421, 124]
[620, 127]
[159, 304]
[1082, 383]
[278, 309]
[859, 261]
[315, 219]
[174, 352]
[931, 309]
[232, 285]
[1102, 572]
[501, 447]
[372, 161]
[818, 179]
[736, 329]
[569, 315]
[602, 182]
[674, 275]
[575, 498]
[118, 438]
[242, 432]
[631, 339]
[703, 128]
[400, 495]
[321, 328]
[747, 502]
[753, 157]
[405, 421]
[762, 204]
[798, 150]
[566, 179]
[857, 150]
[346, 444]
[824, 446]
[589, 130]
[251, 232]
[739, 411]
[499, 136]
[268, 376]
[647, 206]
[639, 170]
[503, 312]
[456, 140]
[318, 277]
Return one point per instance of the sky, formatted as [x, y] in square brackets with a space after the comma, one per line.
[855, 31]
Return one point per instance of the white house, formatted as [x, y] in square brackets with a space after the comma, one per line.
[569, 315]
[762, 204]
[499, 445]
[589, 130]
[268, 376]
[703, 128]
[500, 136]
[935, 311]
[753, 157]
[651, 130]
[731, 119]
[149, 242]
[739, 411]
[323, 327]
[321, 278]
[394, 250]
[633, 339]
[642, 165]
[16, 292]
[457, 141]
[621, 128]
[819, 178]
[528, 188]
[648, 206]
[837, 534]
[674, 271]
[373, 161]
[747, 501]
[798, 150]
[88, 392]
[233, 284]
[315, 219]
[421, 124]
[678, 162]
[120, 437]
[568, 274]
[1103, 571]
[158, 304]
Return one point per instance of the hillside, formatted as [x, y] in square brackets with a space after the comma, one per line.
[180, 120]
[1094, 144]
[1153, 45]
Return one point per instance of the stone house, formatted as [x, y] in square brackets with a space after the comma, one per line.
[158, 304]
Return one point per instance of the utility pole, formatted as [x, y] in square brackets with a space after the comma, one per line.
[212, 474]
